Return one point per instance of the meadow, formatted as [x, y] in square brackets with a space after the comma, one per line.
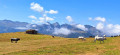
[31, 44]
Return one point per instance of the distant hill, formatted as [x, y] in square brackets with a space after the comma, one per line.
[49, 29]
[12, 24]
[9, 26]
[16, 26]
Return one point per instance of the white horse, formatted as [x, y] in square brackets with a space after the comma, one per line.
[81, 37]
[99, 39]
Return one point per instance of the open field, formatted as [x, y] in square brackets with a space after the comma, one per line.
[46, 45]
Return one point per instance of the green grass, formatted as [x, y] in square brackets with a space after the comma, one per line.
[46, 45]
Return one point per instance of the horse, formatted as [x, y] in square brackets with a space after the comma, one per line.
[99, 39]
[81, 37]
[15, 39]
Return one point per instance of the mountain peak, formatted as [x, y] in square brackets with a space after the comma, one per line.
[6, 20]
[56, 23]
[48, 28]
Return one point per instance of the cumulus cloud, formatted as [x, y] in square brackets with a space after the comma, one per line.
[41, 20]
[51, 12]
[115, 29]
[33, 17]
[69, 18]
[49, 19]
[81, 27]
[108, 29]
[111, 29]
[63, 31]
[36, 7]
[109, 26]
[100, 26]
[100, 19]
[44, 18]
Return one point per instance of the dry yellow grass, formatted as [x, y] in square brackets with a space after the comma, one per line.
[46, 45]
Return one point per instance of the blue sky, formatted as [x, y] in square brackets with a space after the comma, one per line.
[79, 10]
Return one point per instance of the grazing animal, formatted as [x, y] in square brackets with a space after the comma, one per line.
[81, 37]
[99, 39]
[53, 36]
[15, 39]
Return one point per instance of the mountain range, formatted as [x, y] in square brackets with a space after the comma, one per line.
[48, 28]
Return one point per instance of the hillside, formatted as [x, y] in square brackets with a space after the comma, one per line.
[46, 45]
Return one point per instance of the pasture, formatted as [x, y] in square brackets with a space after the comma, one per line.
[31, 44]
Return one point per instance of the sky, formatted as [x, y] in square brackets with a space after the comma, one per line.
[104, 15]
[85, 12]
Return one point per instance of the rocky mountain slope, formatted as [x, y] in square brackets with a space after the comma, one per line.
[15, 26]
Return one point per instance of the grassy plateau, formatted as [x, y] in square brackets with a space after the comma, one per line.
[31, 44]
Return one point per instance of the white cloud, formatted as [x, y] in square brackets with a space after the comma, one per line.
[109, 29]
[63, 31]
[100, 26]
[100, 19]
[44, 18]
[51, 12]
[33, 17]
[49, 19]
[109, 26]
[34, 26]
[41, 20]
[28, 26]
[112, 29]
[36, 7]
[81, 27]
[33, 21]
[69, 18]
[44, 15]
[90, 18]
[116, 28]
[22, 28]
